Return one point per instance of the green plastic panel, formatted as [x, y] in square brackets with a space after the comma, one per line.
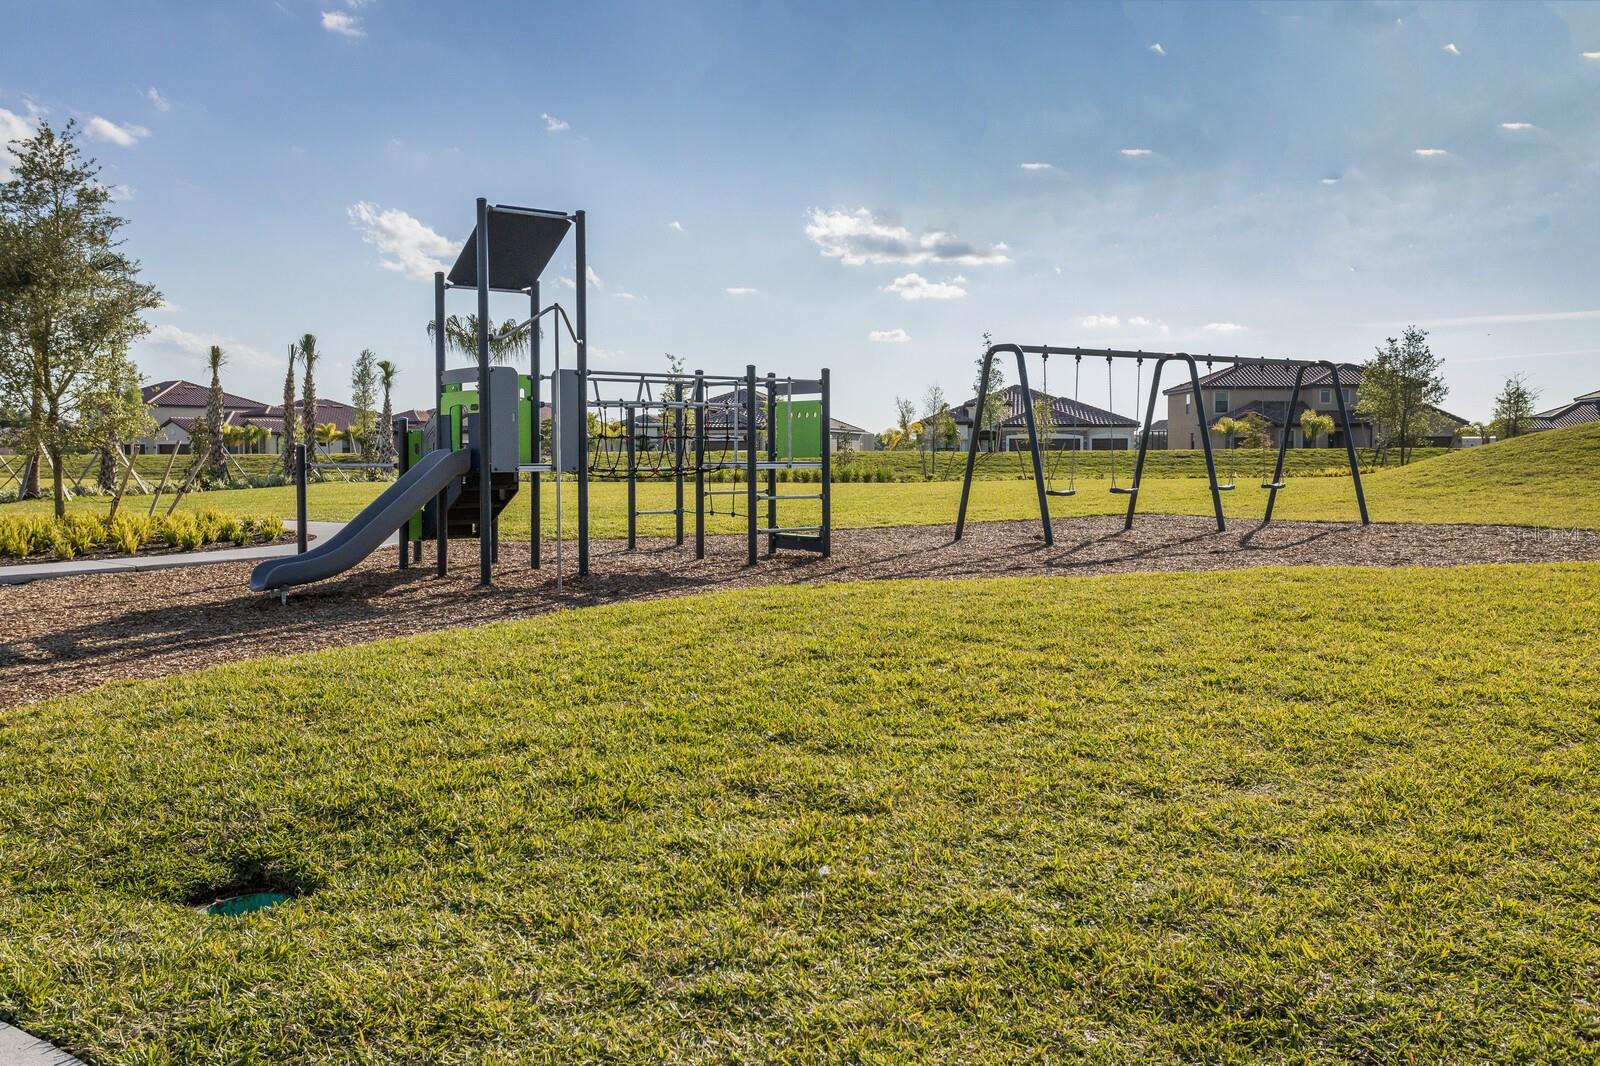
[804, 418]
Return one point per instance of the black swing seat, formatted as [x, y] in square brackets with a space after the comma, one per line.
[1229, 487]
[1060, 492]
[1131, 490]
[1273, 484]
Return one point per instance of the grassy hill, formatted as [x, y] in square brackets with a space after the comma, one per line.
[733, 828]
[1541, 480]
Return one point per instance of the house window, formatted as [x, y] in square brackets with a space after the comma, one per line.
[1188, 403]
[1349, 396]
[1325, 397]
[1219, 402]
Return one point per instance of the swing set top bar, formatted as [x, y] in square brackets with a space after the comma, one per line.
[1118, 353]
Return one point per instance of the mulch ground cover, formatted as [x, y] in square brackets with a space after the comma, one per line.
[68, 634]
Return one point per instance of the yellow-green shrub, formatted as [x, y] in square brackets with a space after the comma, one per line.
[130, 532]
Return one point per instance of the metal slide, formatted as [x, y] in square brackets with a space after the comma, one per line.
[366, 532]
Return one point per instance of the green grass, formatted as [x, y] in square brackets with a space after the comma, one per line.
[906, 465]
[1543, 480]
[981, 821]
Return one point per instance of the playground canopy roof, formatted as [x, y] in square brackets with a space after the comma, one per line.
[521, 243]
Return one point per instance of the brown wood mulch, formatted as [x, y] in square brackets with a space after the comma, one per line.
[68, 634]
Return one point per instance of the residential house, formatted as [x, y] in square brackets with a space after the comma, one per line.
[1243, 389]
[1585, 408]
[1072, 424]
[178, 405]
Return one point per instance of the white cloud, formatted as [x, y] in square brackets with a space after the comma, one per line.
[1430, 153]
[1330, 181]
[170, 340]
[1452, 49]
[1037, 166]
[343, 24]
[624, 296]
[858, 237]
[1591, 55]
[917, 287]
[13, 127]
[1099, 321]
[1141, 322]
[103, 129]
[1517, 127]
[405, 244]
[120, 193]
[1157, 49]
[675, 225]
[553, 124]
[741, 290]
[889, 336]
[594, 279]
[1136, 152]
[1224, 327]
[161, 103]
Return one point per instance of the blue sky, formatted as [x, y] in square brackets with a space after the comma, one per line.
[867, 187]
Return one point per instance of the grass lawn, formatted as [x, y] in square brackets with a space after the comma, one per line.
[1542, 480]
[950, 821]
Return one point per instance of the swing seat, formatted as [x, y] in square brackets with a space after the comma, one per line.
[1229, 487]
[1060, 492]
[1131, 490]
[1273, 484]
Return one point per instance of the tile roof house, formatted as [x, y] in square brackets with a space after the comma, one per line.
[1243, 389]
[177, 405]
[1071, 424]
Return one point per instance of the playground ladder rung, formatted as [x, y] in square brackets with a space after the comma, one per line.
[792, 464]
[726, 492]
[536, 468]
[789, 496]
[669, 510]
[791, 530]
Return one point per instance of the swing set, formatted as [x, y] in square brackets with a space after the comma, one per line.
[1045, 485]
[1051, 475]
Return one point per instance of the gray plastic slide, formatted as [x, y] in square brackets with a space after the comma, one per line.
[366, 532]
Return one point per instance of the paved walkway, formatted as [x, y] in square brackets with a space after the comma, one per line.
[25, 572]
[19, 1049]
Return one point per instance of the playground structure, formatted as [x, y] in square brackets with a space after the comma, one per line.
[1046, 490]
[458, 475]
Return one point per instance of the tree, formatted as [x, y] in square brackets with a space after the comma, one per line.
[69, 297]
[994, 408]
[1514, 407]
[215, 415]
[114, 413]
[1400, 386]
[506, 341]
[1314, 424]
[288, 436]
[308, 391]
[938, 426]
[364, 398]
[905, 417]
[387, 372]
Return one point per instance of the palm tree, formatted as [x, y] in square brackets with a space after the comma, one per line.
[214, 413]
[308, 393]
[506, 341]
[287, 450]
[387, 372]
[327, 434]
[254, 437]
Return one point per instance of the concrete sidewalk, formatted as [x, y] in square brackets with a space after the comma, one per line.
[25, 572]
[19, 1049]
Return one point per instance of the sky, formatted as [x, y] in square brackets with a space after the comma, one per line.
[867, 187]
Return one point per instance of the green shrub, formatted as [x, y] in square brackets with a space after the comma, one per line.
[182, 531]
[22, 535]
[269, 527]
[130, 532]
[60, 542]
[85, 532]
